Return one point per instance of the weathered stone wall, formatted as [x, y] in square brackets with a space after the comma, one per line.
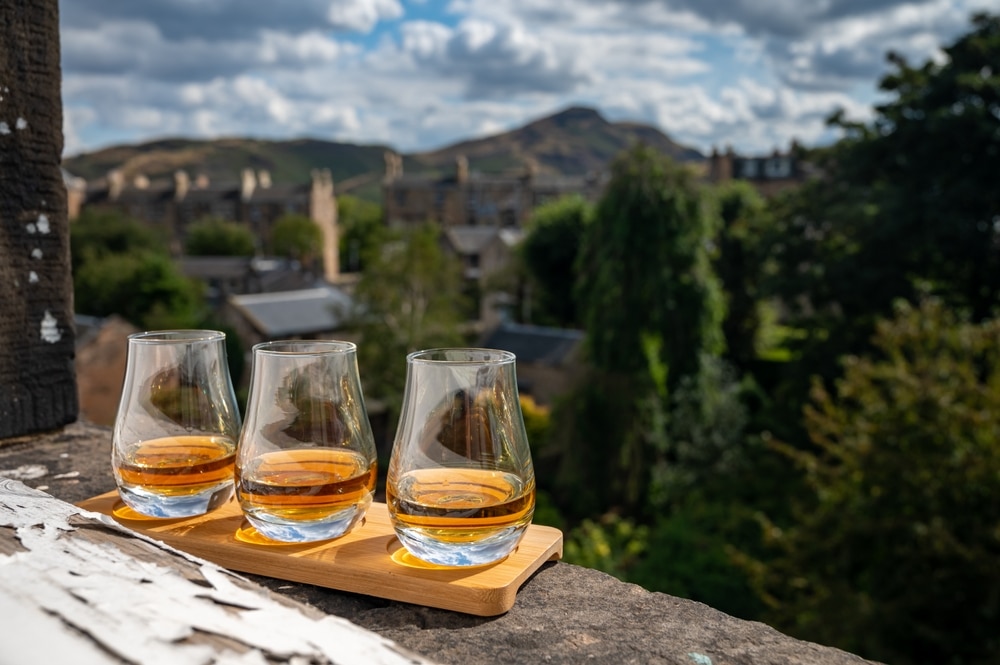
[563, 614]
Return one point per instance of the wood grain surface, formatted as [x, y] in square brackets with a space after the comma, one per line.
[369, 560]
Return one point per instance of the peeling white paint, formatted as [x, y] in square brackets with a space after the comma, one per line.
[36, 253]
[70, 474]
[43, 223]
[4, 128]
[50, 329]
[32, 277]
[25, 472]
[31, 228]
[90, 598]
[21, 123]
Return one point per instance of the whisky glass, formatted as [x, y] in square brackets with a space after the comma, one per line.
[460, 489]
[174, 440]
[306, 461]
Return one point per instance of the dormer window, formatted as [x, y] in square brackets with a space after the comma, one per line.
[778, 167]
[749, 168]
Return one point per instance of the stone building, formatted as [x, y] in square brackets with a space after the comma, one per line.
[173, 205]
[482, 216]
[769, 174]
[548, 359]
[484, 252]
[468, 198]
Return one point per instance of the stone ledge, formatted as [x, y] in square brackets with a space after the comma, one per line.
[563, 614]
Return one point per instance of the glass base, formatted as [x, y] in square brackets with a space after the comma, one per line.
[491, 549]
[305, 531]
[155, 504]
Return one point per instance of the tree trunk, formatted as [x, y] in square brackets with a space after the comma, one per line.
[37, 379]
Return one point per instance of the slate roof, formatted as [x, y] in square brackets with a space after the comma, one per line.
[216, 267]
[470, 239]
[534, 344]
[290, 313]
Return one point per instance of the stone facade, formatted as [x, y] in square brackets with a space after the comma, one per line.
[468, 198]
[254, 200]
[769, 174]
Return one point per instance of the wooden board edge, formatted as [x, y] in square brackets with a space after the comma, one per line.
[485, 601]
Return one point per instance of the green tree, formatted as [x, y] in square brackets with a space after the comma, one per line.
[907, 204]
[928, 162]
[143, 287]
[652, 308]
[408, 298]
[549, 252]
[97, 232]
[296, 237]
[219, 237]
[362, 231]
[121, 267]
[894, 555]
[645, 269]
[741, 265]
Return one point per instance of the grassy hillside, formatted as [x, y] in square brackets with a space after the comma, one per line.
[572, 142]
[223, 159]
[575, 141]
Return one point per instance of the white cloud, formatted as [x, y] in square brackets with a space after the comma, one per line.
[362, 15]
[750, 73]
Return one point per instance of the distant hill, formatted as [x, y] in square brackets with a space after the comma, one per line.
[223, 159]
[574, 141]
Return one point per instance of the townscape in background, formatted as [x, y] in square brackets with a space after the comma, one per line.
[769, 383]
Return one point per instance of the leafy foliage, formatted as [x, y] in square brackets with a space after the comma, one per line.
[895, 556]
[928, 161]
[97, 233]
[361, 231]
[550, 251]
[408, 298]
[219, 237]
[688, 554]
[907, 206]
[120, 267]
[742, 263]
[610, 544]
[645, 268]
[143, 287]
[652, 308]
[296, 237]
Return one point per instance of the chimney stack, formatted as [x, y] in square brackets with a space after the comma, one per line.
[393, 165]
[461, 169]
[247, 184]
[116, 183]
[182, 183]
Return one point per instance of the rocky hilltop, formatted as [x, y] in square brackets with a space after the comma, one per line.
[574, 141]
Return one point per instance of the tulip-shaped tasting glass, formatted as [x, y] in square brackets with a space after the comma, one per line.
[461, 486]
[305, 463]
[175, 434]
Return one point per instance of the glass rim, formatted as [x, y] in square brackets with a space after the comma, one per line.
[461, 356]
[178, 336]
[304, 347]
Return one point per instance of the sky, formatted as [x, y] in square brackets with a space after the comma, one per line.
[418, 75]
